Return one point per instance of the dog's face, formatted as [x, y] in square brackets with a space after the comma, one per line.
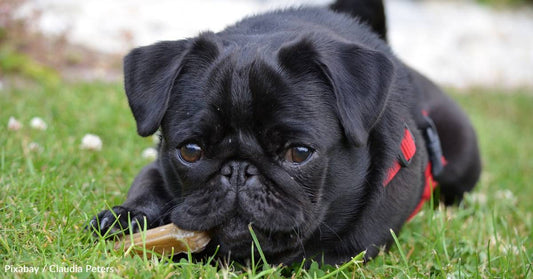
[247, 149]
[272, 136]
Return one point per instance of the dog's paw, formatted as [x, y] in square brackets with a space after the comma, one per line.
[109, 223]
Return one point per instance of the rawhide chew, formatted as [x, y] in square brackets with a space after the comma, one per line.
[167, 240]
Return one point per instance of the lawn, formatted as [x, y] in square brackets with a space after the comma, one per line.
[49, 192]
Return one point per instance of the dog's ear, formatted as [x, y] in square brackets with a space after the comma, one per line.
[151, 71]
[360, 78]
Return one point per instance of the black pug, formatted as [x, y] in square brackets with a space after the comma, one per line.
[300, 122]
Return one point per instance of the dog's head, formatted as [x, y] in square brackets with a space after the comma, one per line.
[271, 134]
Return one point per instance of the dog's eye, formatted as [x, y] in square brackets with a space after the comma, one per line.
[191, 152]
[298, 154]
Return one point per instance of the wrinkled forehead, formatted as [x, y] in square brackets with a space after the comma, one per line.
[239, 94]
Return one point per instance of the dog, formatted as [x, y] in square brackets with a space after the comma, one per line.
[300, 123]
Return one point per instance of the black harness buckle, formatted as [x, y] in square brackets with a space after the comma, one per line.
[433, 146]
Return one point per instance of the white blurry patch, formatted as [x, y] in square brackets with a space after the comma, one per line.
[1, 85]
[35, 147]
[149, 153]
[506, 195]
[13, 124]
[156, 138]
[510, 249]
[91, 142]
[479, 198]
[38, 123]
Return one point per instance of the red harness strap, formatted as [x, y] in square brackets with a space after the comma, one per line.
[408, 150]
[430, 185]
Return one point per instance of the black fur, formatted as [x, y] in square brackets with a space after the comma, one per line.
[247, 95]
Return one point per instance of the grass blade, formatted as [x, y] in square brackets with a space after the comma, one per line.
[254, 237]
[354, 261]
[402, 254]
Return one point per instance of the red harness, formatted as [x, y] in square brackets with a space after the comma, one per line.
[407, 152]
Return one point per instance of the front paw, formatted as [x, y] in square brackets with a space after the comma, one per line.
[110, 223]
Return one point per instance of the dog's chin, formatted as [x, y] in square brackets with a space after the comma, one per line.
[234, 239]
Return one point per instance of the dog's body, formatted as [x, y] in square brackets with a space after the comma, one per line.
[288, 121]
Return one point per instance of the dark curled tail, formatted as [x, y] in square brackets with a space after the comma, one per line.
[370, 12]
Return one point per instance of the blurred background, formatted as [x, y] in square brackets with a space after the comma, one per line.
[461, 44]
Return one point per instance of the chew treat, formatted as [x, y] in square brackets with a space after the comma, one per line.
[167, 240]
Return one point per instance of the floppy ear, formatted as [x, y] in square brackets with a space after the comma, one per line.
[360, 78]
[150, 73]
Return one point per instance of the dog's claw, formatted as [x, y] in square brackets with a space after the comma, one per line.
[135, 226]
[103, 223]
[92, 224]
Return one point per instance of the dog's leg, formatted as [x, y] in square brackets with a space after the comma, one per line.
[460, 148]
[147, 198]
[458, 140]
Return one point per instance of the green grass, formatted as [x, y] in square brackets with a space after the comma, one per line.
[506, 3]
[14, 62]
[48, 196]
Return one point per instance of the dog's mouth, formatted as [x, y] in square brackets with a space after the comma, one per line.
[235, 240]
[232, 235]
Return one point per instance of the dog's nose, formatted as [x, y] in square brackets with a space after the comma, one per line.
[238, 172]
